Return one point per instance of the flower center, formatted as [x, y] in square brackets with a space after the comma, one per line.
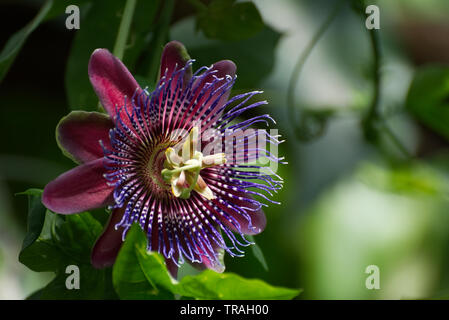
[152, 166]
[182, 168]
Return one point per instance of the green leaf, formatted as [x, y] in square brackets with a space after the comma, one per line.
[38, 251]
[155, 270]
[36, 216]
[228, 20]
[128, 277]
[428, 98]
[63, 241]
[94, 284]
[17, 40]
[42, 256]
[139, 274]
[78, 235]
[2, 259]
[254, 57]
[229, 286]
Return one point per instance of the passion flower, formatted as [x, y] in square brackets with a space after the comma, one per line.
[171, 160]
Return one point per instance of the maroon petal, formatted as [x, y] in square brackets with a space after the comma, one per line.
[82, 188]
[175, 57]
[108, 245]
[172, 267]
[207, 263]
[78, 135]
[224, 68]
[111, 80]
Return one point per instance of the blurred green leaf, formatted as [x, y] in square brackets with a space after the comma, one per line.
[257, 251]
[60, 6]
[152, 56]
[139, 38]
[139, 274]
[380, 215]
[36, 216]
[17, 40]
[35, 295]
[428, 98]
[2, 259]
[313, 123]
[254, 57]
[144, 82]
[421, 180]
[98, 30]
[63, 241]
[228, 20]
[39, 253]
[434, 10]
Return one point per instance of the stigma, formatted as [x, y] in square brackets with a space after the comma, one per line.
[183, 164]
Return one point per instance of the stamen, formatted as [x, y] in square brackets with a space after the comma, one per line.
[183, 172]
[146, 163]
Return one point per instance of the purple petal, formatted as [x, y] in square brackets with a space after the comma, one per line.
[80, 189]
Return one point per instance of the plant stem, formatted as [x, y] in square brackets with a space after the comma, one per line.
[301, 61]
[373, 112]
[122, 35]
[374, 121]
[161, 33]
[123, 31]
[395, 140]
